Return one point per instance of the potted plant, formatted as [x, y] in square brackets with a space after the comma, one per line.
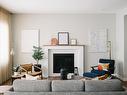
[37, 55]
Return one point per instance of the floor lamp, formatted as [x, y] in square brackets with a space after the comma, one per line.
[12, 54]
[109, 49]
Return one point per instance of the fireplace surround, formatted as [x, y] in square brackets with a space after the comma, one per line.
[74, 51]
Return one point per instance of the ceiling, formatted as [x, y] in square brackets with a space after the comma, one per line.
[63, 6]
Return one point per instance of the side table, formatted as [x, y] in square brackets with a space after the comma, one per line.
[4, 89]
[13, 77]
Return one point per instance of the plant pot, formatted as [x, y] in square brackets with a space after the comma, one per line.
[37, 69]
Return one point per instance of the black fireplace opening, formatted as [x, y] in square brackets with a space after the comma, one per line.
[65, 61]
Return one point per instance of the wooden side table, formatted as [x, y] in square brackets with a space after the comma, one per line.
[5, 88]
[13, 77]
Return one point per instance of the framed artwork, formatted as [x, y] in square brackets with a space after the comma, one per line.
[29, 38]
[63, 38]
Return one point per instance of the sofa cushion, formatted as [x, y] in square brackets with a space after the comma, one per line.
[67, 85]
[103, 85]
[32, 85]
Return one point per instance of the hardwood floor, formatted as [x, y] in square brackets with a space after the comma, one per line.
[125, 83]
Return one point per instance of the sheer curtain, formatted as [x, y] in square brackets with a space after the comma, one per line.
[5, 59]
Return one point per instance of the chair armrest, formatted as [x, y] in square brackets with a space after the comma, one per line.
[93, 67]
[21, 68]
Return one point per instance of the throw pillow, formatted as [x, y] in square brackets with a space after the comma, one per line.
[100, 68]
[105, 66]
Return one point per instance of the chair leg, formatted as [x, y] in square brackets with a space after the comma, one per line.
[41, 76]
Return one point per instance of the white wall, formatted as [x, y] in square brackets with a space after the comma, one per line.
[121, 51]
[78, 27]
[119, 45]
[125, 46]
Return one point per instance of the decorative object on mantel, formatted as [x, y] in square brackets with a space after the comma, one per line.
[37, 55]
[54, 41]
[63, 38]
[73, 42]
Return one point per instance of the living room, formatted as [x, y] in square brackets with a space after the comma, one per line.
[87, 30]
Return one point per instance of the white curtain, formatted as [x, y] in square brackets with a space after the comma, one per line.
[5, 61]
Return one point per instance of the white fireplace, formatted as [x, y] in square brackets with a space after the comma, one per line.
[78, 52]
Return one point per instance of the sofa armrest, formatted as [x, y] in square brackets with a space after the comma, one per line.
[11, 89]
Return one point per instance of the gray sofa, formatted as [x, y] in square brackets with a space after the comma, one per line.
[66, 87]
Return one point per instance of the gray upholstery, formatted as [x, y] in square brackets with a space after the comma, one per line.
[98, 93]
[37, 93]
[66, 93]
[67, 85]
[103, 85]
[32, 85]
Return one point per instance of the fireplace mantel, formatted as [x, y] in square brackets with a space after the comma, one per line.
[78, 51]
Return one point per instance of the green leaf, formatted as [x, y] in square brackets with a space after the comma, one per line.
[37, 53]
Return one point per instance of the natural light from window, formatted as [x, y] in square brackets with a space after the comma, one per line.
[4, 43]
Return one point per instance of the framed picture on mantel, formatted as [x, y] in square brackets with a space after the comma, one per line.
[63, 38]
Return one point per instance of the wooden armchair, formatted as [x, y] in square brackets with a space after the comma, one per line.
[28, 69]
